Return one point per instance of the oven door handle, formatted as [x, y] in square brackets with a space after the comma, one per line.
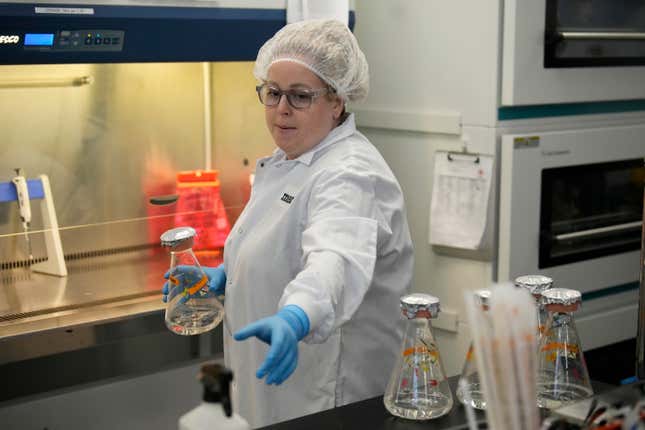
[600, 230]
[601, 35]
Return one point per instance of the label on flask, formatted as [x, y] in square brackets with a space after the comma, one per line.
[570, 350]
[190, 290]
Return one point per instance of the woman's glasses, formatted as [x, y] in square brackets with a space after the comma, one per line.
[270, 95]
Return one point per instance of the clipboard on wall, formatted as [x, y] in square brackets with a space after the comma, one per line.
[461, 204]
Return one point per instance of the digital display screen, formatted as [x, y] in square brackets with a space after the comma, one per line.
[39, 39]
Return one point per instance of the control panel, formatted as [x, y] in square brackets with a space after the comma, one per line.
[75, 40]
[86, 32]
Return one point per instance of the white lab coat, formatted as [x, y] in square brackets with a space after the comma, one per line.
[327, 232]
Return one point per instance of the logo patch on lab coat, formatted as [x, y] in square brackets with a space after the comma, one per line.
[287, 198]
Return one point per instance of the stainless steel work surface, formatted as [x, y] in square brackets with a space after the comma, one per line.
[97, 289]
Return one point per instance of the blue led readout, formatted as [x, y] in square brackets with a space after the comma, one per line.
[39, 39]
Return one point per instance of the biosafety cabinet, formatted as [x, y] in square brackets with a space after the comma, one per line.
[118, 103]
[554, 92]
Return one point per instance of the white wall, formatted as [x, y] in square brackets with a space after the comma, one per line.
[432, 62]
[410, 155]
[427, 55]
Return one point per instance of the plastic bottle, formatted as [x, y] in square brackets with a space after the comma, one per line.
[192, 308]
[470, 390]
[562, 371]
[216, 411]
[418, 388]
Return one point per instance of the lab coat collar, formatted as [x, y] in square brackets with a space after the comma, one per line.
[346, 129]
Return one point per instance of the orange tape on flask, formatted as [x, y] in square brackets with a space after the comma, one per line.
[420, 350]
[198, 286]
[560, 346]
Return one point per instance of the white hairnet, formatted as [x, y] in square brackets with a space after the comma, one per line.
[327, 48]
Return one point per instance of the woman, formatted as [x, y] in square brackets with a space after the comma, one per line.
[317, 261]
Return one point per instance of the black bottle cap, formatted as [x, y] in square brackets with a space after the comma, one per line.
[217, 385]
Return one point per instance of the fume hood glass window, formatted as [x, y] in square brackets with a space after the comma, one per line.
[590, 211]
[111, 136]
[594, 33]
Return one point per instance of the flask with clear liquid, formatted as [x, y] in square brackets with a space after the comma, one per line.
[562, 371]
[469, 389]
[418, 388]
[536, 285]
[192, 308]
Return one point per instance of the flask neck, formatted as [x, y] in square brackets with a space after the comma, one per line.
[186, 251]
[183, 257]
[418, 328]
[419, 321]
[538, 302]
[560, 319]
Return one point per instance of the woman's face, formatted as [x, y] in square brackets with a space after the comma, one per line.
[296, 131]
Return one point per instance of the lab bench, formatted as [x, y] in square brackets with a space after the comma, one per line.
[371, 414]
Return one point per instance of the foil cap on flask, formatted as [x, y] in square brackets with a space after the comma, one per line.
[483, 297]
[561, 296]
[534, 284]
[180, 237]
[420, 306]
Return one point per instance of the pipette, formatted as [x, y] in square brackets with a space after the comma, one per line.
[24, 205]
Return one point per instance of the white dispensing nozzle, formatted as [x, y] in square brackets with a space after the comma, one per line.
[24, 205]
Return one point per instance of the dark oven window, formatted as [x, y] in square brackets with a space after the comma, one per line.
[590, 33]
[590, 211]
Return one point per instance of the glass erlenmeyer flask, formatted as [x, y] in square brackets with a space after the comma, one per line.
[469, 389]
[536, 285]
[562, 371]
[418, 388]
[192, 308]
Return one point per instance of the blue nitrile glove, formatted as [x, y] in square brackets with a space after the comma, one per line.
[216, 278]
[282, 332]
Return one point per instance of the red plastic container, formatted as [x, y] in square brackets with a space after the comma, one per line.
[200, 206]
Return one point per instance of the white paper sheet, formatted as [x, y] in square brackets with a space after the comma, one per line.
[300, 10]
[460, 198]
